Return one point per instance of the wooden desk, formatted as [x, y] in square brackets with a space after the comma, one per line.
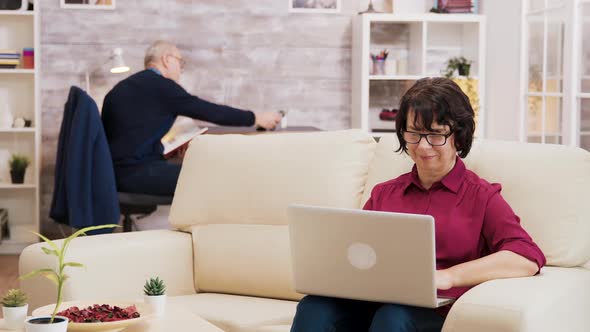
[222, 130]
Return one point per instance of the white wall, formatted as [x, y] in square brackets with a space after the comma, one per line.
[503, 68]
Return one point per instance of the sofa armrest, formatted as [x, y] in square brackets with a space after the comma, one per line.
[117, 266]
[556, 300]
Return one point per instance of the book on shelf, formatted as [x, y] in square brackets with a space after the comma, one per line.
[182, 132]
[4, 230]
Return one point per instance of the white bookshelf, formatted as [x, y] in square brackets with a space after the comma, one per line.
[419, 45]
[19, 89]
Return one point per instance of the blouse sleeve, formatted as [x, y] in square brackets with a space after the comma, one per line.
[502, 230]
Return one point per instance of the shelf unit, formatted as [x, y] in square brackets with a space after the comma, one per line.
[19, 92]
[419, 45]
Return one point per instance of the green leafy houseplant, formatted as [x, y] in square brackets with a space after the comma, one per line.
[460, 64]
[154, 287]
[18, 162]
[18, 165]
[58, 276]
[14, 298]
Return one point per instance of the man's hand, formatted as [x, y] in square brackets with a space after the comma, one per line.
[267, 120]
[444, 279]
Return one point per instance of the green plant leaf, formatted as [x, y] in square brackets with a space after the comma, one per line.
[49, 251]
[48, 241]
[84, 230]
[47, 273]
[74, 264]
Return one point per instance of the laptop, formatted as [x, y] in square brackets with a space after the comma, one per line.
[364, 255]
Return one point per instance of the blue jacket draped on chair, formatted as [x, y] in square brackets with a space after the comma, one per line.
[85, 192]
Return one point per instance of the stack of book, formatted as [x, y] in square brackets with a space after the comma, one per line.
[9, 59]
[458, 6]
[4, 230]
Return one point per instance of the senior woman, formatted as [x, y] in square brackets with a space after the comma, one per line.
[478, 236]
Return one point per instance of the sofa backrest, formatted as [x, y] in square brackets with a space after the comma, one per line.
[233, 192]
[546, 185]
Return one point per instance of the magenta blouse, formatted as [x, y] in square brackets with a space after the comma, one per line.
[472, 219]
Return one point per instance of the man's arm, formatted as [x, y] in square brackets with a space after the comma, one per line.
[183, 103]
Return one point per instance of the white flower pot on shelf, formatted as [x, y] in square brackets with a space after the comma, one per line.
[156, 303]
[40, 324]
[14, 317]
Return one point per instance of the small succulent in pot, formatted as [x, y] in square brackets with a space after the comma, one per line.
[14, 308]
[155, 295]
[154, 287]
[14, 298]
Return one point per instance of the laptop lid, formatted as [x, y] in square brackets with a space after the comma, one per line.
[364, 255]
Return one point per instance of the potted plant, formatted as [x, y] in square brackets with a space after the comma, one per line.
[460, 64]
[14, 309]
[18, 165]
[56, 323]
[154, 290]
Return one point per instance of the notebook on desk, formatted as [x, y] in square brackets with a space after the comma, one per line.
[182, 132]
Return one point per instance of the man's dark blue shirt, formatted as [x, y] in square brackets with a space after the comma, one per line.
[141, 109]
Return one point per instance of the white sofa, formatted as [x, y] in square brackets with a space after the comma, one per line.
[229, 260]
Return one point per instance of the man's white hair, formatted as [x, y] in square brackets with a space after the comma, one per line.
[155, 51]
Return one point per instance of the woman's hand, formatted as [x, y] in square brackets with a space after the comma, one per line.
[444, 279]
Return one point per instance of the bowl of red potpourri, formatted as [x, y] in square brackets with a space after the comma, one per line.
[99, 315]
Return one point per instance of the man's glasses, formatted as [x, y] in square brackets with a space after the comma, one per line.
[433, 139]
[181, 61]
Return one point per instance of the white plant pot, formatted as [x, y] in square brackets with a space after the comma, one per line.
[156, 303]
[14, 317]
[61, 326]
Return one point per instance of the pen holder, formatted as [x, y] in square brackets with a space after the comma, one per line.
[378, 67]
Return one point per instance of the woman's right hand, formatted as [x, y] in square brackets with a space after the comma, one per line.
[444, 279]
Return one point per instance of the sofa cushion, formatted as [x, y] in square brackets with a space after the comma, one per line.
[386, 164]
[252, 179]
[250, 260]
[238, 313]
[546, 185]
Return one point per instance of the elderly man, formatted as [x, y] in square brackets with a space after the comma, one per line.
[139, 110]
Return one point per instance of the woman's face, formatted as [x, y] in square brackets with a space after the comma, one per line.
[429, 158]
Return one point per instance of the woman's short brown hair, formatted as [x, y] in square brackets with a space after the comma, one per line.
[440, 100]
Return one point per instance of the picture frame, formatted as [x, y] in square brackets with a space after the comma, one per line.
[88, 4]
[314, 6]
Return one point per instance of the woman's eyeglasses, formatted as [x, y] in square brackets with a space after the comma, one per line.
[433, 139]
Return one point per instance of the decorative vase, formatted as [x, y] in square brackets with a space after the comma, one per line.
[14, 317]
[18, 177]
[157, 303]
[41, 324]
